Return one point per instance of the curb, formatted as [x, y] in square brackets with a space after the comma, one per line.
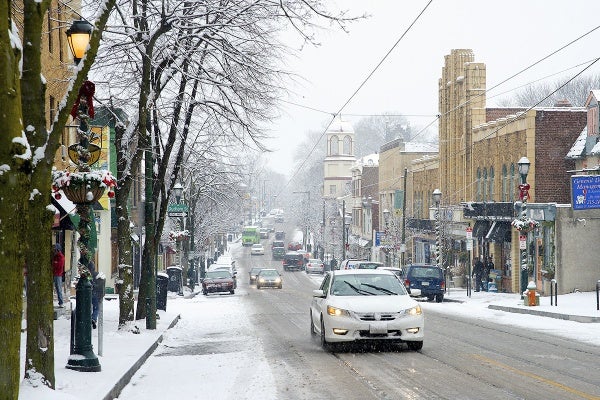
[567, 317]
[124, 381]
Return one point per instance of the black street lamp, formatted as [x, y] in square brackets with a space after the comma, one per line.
[78, 36]
[386, 218]
[82, 356]
[524, 196]
[437, 197]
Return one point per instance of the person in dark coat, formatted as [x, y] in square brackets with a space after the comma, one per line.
[478, 273]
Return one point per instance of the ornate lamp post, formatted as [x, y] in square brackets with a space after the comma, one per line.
[178, 192]
[437, 197]
[83, 188]
[386, 218]
[523, 224]
[347, 222]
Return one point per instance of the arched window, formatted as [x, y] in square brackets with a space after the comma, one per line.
[478, 194]
[484, 185]
[491, 184]
[347, 145]
[505, 183]
[334, 146]
[512, 183]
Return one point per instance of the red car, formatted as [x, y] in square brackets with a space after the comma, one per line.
[293, 246]
[217, 281]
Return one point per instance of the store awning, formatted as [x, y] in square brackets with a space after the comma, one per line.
[481, 228]
[64, 210]
[498, 231]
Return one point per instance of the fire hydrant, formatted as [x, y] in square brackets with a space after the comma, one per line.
[531, 295]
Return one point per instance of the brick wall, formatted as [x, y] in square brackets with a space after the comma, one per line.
[556, 131]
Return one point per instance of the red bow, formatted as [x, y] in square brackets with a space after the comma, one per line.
[86, 90]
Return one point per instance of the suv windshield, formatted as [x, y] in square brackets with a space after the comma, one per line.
[426, 272]
[367, 285]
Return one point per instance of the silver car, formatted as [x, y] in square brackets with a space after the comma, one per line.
[314, 266]
[365, 305]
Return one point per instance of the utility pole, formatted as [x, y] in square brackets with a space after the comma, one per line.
[343, 229]
[403, 243]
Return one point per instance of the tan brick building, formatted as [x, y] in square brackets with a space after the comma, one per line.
[479, 151]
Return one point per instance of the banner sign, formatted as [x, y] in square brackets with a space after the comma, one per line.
[585, 191]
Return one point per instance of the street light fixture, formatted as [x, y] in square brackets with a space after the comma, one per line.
[437, 197]
[524, 187]
[178, 191]
[78, 36]
[82, 356]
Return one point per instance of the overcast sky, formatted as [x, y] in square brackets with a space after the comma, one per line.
[507, 36]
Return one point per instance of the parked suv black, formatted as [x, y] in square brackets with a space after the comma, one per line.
[293, 260]
[428, 278]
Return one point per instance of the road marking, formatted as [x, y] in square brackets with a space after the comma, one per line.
[536, 377]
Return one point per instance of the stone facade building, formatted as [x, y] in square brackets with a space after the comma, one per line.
[479, 151]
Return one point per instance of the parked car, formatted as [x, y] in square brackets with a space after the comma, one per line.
[314, 266]
[227, 267]
[293, 261]
[395, 270]
[365, 305]
[360, 264]
[293, 246]
[278, 253]
[428, 279]
[269, 277]
[264, 233]
[253, 272]
[216, 281]
[257, 249]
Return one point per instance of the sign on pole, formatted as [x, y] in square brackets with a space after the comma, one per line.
[469, 232]
[177, 210]
[469, 244]
[522, 242]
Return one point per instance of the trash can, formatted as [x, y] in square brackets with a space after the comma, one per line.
[162, 283]
[175, 279]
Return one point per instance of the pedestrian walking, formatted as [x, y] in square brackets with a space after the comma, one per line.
[333, 263]
[478, 273]
[58, 268]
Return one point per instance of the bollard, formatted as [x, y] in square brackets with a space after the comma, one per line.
[553, 293]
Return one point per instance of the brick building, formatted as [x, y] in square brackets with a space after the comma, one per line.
[479, 151]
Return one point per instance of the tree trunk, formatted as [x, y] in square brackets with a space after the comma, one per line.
[40, 322]
[14, 171]
[125, 282]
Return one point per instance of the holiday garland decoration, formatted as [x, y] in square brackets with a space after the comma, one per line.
[525, 225]
[179, 235]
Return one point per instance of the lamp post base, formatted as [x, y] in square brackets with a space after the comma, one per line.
[86, 362]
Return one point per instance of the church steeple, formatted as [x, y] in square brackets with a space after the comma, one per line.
[340, 157]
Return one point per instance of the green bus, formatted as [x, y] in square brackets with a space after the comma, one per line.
[250, 235]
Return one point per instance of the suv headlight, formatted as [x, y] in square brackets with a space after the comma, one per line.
[337, 312]
[416, 310]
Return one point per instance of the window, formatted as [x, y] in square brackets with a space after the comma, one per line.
[505, 183]
[484, 185]
[478, 194]
[50, 29]
[347, 145]
[491, 184]
[512, 182]
[334, 146]
[332, 189]
[52, 107]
